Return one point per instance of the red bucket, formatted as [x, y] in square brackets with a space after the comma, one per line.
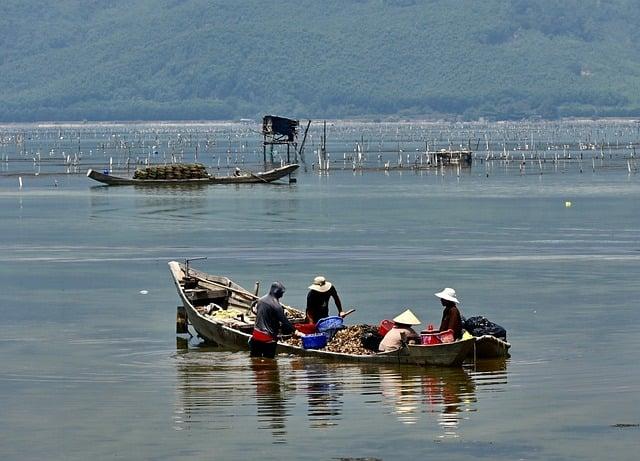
[385, 326]
[306, 328]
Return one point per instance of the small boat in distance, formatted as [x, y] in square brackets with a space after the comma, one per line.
[220, 312]
[242, 177]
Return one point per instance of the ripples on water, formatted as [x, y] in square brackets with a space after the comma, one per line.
[215, 387]
[89, 364]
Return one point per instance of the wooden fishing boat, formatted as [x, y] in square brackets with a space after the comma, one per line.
[220, 312]
[490, 347]
[244, 177]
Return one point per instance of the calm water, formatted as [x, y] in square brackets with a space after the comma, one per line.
[91, 366]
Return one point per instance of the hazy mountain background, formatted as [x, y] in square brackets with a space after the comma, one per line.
[226, 59]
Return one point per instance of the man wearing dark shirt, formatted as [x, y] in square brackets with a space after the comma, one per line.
[320, 291]
[451, 318]
[270, 318]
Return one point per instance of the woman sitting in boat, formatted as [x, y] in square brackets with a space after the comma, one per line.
[270, 319]
[320, 292]
[401, 332]
[451, 318]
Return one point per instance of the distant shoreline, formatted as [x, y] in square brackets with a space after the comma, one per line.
[222, 123]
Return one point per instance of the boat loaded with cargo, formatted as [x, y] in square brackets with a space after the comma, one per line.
[220, 312]
[194, 173]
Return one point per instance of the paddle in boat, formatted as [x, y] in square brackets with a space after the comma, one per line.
[190, 174]
[219, 310]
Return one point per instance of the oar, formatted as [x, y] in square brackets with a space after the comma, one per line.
[256, 176]
[249, 294]
[350, 311]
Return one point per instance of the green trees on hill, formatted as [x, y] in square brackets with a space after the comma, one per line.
[202, 59]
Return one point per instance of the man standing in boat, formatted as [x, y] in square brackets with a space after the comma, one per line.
[320, 291]
[270, 319]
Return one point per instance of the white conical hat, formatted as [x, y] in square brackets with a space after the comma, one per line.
[408, 318]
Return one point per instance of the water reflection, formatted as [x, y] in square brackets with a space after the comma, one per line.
[222, 390]
[323, 385]
[446, 393]
[270, 398]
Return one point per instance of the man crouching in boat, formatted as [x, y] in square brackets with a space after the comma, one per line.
[401, 333]
[270, 318]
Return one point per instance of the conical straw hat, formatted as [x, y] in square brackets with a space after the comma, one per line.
[408, 318]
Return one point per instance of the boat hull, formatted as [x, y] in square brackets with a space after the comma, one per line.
[490, 347]
[251, 178]
[447, 355]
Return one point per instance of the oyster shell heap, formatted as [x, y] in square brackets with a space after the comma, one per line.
[347, 340]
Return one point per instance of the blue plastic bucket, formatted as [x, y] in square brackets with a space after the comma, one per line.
[314, 341]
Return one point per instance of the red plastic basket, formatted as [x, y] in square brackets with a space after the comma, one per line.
[446, 336]
[306, 328]
[385, 326]
[437, 337]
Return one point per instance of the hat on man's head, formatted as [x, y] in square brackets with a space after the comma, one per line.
[407, 318]
[449, 294]
[320, 284]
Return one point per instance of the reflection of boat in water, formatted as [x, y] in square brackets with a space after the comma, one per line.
[446, 392]
[323, 383]
[220, 311]
[221, 390]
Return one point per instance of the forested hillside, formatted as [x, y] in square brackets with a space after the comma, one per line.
[225, 59]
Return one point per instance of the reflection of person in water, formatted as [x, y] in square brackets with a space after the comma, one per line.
[270, 398]
[416, 391]
[324, 394]
[451, 390]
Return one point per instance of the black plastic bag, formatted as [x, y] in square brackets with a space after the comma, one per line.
[371, 341]
[480, 325]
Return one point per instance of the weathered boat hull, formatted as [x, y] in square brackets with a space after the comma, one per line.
[250, 178]
[451, 354]
[490, 347]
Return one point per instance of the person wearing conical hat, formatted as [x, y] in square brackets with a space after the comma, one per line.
[451, 318]
[401, 332]
[320, 292]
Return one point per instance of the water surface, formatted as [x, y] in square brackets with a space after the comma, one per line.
[92, 368]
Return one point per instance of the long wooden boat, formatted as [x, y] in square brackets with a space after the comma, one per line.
[490, 347]
[243, 178]
[220, 312]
